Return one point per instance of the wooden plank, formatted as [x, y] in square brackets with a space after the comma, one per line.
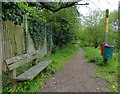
[10, 43]
[21, 62]
[16, 40]
[18, 33]
[25, 26]
[31, 73]
[5, 39]
[12, 40]
[5, 33]
[3, 45]
[1, 51]
[23, 39]
[17, 58]
[9, 40]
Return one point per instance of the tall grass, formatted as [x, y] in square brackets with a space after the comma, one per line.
[108, 70]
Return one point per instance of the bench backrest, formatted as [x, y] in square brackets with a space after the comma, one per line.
[21, 60]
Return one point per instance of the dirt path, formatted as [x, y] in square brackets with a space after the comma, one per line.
[76, 76]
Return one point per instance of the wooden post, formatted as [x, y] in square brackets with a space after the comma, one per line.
[119, 45]
[1, 61]
[26, 31]
[12, 74]
[1, 55]
[106, 29]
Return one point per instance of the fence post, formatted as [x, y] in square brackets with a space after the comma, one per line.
[1, 58]
[25, 24]
[1, 55]
[119, 45]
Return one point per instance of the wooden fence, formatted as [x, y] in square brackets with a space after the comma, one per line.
[13, 42]
[1, 56]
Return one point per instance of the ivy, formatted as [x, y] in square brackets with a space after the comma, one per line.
[12, 12]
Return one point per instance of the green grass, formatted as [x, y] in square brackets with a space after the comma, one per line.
[109, 70]
[93, 55]
[58, 58]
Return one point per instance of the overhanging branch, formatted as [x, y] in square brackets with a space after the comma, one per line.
[59, 7]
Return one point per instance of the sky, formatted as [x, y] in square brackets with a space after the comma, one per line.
[97, 4]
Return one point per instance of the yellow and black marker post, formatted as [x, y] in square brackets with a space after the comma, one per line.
[106, 26]
[106, 29]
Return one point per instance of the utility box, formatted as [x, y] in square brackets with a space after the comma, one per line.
[108, 51]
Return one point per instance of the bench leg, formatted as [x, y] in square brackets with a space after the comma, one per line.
[34, 62]
[14, 85]
[12, 74]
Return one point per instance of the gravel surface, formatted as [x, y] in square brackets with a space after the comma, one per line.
[77, 76]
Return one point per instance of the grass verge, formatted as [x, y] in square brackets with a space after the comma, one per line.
[36, 84]
[108, 71]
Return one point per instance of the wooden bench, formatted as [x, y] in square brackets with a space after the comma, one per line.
[18, 61]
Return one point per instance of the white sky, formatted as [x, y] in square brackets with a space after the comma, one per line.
[97, 4]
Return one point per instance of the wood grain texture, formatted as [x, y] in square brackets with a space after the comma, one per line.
[22, 62]
[31, 73]
[18, 58]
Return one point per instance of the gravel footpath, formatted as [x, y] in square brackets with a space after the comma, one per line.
[77, 76]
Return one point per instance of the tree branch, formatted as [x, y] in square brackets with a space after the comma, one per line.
[59, 7]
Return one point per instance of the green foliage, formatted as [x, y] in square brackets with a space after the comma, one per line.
[12, 12]
[92, 35]
[37, 32]
[65, 25]
[108, 71]
[93, 32]
[33, 12]
[93, 55]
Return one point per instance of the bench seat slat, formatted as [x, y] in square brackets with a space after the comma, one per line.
[31, 73]
[18, 58]
[21, 63]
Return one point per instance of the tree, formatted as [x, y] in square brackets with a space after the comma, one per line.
[66, 25]
[94, 29]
